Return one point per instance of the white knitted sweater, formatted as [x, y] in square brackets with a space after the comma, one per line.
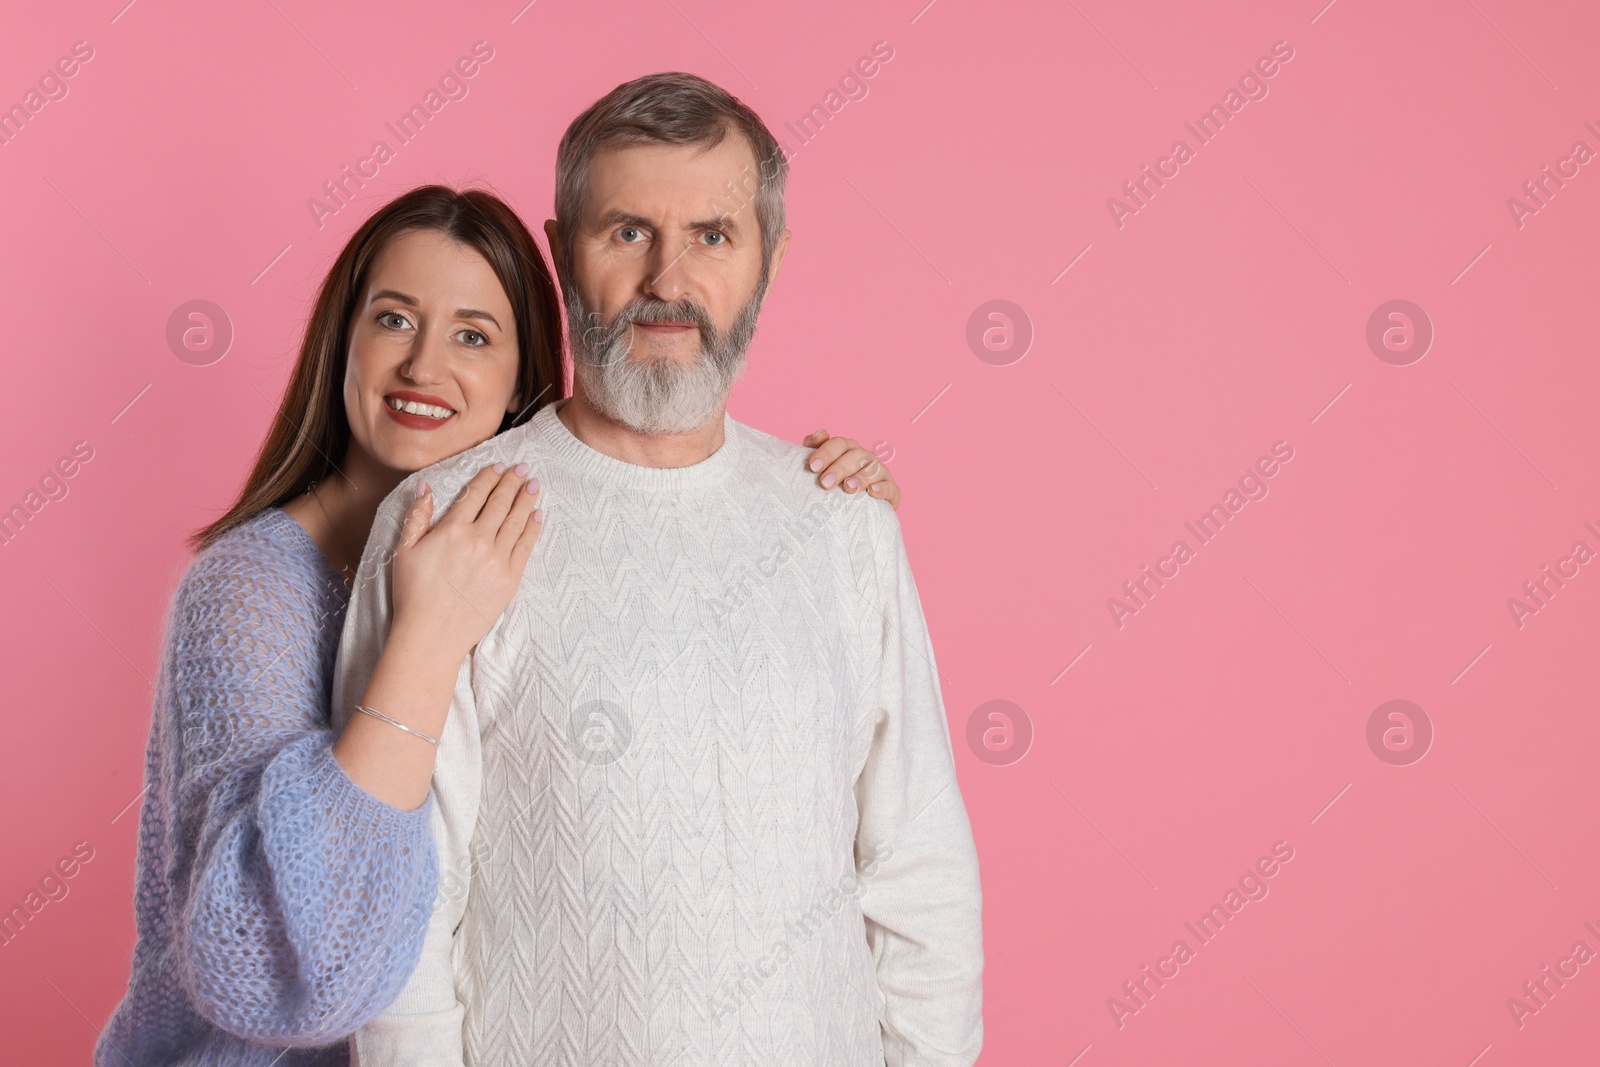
[695, 800]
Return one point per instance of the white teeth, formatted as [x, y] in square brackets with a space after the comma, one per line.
[411, 407]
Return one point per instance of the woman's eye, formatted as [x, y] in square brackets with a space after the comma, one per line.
[713, 237]
[630, 234]
[393, 319]
[472, 338]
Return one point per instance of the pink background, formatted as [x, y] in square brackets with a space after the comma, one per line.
[1229, 313]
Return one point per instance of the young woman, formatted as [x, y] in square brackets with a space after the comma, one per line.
[286, 874]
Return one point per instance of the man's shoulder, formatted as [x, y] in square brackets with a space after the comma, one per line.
[449, 476]
[769, 453]
[777, 468]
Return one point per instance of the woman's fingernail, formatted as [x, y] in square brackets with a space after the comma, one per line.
[533, 485]
[499, 468]
[828, 480]
[422, 490]
[521, 469]
[852, 483]
[878, 487]
[816, 464]
[538, 514]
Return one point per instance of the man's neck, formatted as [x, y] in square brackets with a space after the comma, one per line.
[610, 437]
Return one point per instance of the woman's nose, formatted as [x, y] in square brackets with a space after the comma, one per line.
[428, 359]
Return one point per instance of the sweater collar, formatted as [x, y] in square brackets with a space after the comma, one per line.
[548, 429]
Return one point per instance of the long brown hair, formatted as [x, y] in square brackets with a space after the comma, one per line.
[311, 432]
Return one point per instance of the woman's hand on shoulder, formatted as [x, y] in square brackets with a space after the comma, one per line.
[843, 462]
[453, 581]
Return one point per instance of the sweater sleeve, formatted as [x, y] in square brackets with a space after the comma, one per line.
[307, 896]
[920, 895]
[423, 1025]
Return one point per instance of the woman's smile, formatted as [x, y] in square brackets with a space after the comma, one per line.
[417, 411]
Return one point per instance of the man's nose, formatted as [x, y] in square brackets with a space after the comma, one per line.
[667, 276]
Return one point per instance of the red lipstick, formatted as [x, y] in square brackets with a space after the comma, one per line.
[412, 420]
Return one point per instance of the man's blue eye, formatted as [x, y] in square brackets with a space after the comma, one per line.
[628, 233]
[715, 238]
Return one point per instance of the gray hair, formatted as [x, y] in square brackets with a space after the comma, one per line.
[668, 108]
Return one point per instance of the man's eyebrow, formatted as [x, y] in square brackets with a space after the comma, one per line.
[728, 223]
[623, 218]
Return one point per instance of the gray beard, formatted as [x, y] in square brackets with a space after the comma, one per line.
[656, 396]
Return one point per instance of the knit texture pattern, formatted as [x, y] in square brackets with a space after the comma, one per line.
[279, 906]
[697, 782]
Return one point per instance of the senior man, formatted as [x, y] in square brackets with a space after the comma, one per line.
[696, 783]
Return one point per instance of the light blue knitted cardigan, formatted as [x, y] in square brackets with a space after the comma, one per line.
[278, 904]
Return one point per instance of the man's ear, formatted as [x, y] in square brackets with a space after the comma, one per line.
[553, 235]
[777, 261]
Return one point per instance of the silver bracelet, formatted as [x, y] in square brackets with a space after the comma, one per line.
[396, 722]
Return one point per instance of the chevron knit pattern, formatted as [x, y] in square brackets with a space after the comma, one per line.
[698, 781]
[279, 906]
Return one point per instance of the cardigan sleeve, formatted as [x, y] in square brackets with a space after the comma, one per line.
[920, 895]
[307, 897]
[423, 1024]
